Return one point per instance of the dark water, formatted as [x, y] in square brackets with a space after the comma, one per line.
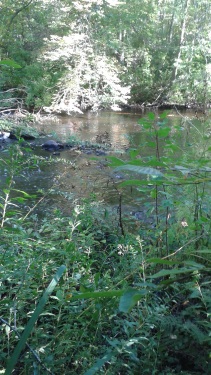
[91, 174]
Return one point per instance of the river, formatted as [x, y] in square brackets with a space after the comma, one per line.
[91, 175]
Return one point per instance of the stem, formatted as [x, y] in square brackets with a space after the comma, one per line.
[156, 205]
[6, 202]
[196, 214]
[167, 218]
[120, 215]
[157, 145]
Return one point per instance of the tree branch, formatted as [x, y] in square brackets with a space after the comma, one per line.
[18, 11]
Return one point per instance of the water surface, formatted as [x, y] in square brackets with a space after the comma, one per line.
[91, 174]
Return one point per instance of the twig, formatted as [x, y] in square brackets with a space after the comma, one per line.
[182, 247]
[18, 11]
[188, 121]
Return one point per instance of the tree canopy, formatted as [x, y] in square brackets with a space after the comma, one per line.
[97, 54]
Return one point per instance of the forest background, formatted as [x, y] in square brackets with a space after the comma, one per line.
[79, 55]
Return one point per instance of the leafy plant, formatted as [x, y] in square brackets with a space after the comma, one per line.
[126, 302]
[167, 184]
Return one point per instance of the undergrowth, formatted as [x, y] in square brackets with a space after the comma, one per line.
[123, 303]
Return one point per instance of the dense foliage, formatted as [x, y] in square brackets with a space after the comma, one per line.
[122, 303]
[103, 54]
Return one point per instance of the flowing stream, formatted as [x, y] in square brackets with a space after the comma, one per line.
[91, 175]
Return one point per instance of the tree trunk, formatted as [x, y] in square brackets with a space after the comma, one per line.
[182, 38]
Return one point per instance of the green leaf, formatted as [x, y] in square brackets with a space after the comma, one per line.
[151, 116]
[151, 144]
[182, 169]
[134, 183]
[155, 163]
[10, 63]
[23, 192]
[130, 299]
[11, 213]
[135, 162]
[153, 193]
[96, 295]
[164, 132]
[145, 123]
[20, 199]
[164, 114]
[115, 161]
[149, 183]
[14, 358]
[193, 264]
[172, 147]
[173, 272]
[100, 362]
[134, 153]
[162, 261]
[203, 251]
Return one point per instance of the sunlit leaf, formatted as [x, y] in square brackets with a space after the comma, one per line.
[20, 199]
[10, 63]
[140, 170]
[26, 195]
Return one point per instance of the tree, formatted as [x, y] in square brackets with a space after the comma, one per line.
[102, 53]
[90, 78]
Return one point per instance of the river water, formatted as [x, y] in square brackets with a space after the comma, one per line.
[91, 175]
[122, 127]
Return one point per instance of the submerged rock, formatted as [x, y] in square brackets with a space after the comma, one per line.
[28, 137]
[100, 153]
[52, 146]
[118, 176]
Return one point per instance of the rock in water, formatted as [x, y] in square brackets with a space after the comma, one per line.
[51, 146]
[4, 135]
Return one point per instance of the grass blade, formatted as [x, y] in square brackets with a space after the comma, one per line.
[13, 360]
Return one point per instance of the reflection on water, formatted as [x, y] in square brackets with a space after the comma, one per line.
[119, 127]
[122, 127]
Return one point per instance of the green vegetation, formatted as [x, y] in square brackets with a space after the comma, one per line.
[80, 55]
[82, 293]
[120, 302]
